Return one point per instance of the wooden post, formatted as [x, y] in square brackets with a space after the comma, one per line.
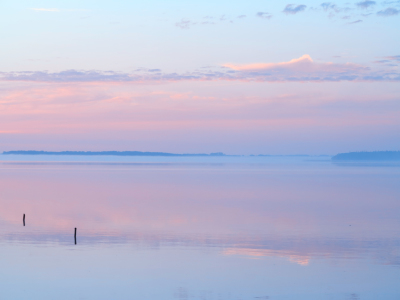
[23, 219]
[75, 236]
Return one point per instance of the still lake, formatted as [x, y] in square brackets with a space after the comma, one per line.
[212, 228]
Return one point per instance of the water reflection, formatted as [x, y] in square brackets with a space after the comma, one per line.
[246, 226]
[296, 249]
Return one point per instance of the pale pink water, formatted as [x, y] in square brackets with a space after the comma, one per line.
[245, 229]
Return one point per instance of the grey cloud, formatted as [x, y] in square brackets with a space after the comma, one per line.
[222, 18]
[333, 8]
[330, 6]
[327, 5]
[295, 70]
[68, 76]
[365, 4]
[207, 23]
[391, 2]
[264, 15]
[207, 20]
[395, 57]
[388, 12]
[292, 9]
[389, 59]
[355, 22]
[140, 75]
[73, 76]
[184, 24]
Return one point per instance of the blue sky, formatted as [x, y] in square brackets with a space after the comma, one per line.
[125, 35]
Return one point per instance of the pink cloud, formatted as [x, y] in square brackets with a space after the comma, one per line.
[303, 67]
[229, 116]
[304, 60]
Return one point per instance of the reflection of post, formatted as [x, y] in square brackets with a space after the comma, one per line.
[75, 235]
[23, 219]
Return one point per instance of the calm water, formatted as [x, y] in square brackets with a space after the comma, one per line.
[200, 228]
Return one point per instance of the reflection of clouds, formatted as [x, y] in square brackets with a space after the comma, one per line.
[303, 261]
[296, 249]
[211, 210]
[256, 253]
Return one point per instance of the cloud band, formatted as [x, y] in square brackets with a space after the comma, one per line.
[300, 69]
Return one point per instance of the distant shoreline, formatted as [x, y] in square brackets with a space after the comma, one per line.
[140, 153]
[368, 156]
[107, 153]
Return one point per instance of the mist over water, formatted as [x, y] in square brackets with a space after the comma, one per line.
[198, 228]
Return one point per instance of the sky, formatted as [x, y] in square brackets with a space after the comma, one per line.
[239, 77]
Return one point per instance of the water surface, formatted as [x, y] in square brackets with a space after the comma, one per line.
[202, 228]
